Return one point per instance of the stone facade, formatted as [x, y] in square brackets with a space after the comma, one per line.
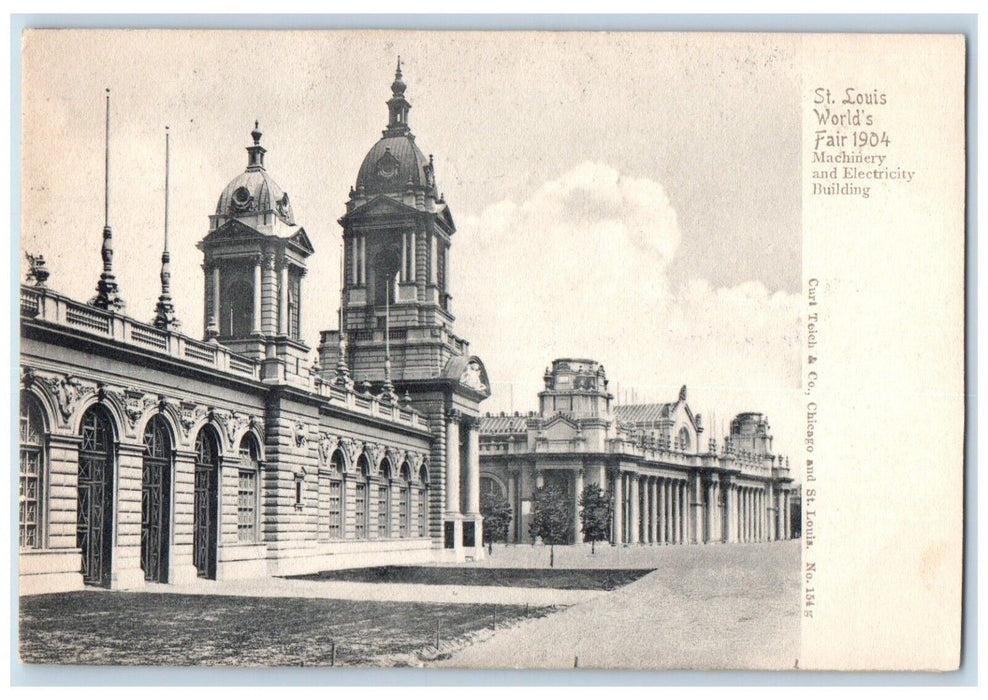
[148, 455]
[666, 484]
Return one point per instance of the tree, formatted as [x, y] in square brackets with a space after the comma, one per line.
[497, 516]
[551, 518]
[595, 515]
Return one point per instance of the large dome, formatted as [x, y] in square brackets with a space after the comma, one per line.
[395, 162]
[391, 164]
[254, 191]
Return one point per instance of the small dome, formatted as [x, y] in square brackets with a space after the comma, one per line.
[253, 191]
[391, 164]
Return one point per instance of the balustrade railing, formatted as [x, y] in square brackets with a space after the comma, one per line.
[43, 304]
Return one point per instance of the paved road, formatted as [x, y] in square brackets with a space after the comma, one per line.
[714, 606]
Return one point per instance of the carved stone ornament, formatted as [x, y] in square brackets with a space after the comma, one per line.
[135, 402]
[472, 376]
[396, 457]
[299, 434]
[190, 414]
[352, 449]
[327, 446]
[28, 377]
[414, 462]
[67, 390]
[374, 453]
[238, 421]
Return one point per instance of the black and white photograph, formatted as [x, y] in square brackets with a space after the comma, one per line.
[428, 349]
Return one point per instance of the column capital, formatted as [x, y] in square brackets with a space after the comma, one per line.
[454, 415]
[470, 422]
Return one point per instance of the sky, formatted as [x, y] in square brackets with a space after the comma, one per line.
[631, 198]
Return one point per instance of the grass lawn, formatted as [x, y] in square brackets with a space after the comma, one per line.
[99, 627]
[568, 579]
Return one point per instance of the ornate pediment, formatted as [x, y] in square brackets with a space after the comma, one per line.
[233, 229]
[381, 205]
[301, 239]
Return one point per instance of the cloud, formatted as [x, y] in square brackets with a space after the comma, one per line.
[580, 269]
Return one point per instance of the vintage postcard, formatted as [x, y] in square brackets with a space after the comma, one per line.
[491, 349]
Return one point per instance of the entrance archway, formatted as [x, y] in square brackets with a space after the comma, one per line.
[94, 500]
[156, 500]
[205, 505]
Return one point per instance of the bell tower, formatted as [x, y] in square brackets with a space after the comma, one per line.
[396, 333]
[397, 236]
[254, 261]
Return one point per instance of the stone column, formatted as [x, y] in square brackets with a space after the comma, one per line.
[698, 519]
[404, 257]
[732, 514]
[660, 510]
[667, 484]
[633, 510]
[414, 261]
[617, 515]
[472, 467]
[255, 326]
[653, 497]
[513, 500]
[283, 298]
[676, 508]
[453, 463]
[779, 529]
[684, 508]
[709, 517]
[787, 517]
[747, 514]
[363, 260]
[216, 297]
[577, 490]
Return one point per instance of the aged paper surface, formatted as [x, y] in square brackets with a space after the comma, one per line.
[768, 227]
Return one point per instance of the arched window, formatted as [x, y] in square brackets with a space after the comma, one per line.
[94, 511]
[684, 439]
[384, 501]
[156, 500]
[247, 492]
[423, 502]
[404, 501]
[33, 462]
[491, 486]
[205, 512]
[331, 495]
[360, 498]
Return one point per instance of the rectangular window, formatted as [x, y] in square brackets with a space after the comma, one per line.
[403, 511]
[360, 511]
[423, 512]
[30, 483]
[294, 301]
[247, 506]
[383, 514]
[335, 509]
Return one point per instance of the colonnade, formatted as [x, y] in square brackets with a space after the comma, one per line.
[692, 509]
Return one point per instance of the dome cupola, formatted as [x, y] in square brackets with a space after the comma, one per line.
[253, 194]
[395, 164]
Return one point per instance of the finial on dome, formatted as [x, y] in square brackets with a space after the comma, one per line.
[398, 86]
[256, 152]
